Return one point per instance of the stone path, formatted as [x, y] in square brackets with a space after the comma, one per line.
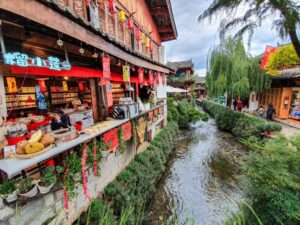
[289, 131]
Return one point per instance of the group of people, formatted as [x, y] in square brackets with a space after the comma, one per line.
[238, 106]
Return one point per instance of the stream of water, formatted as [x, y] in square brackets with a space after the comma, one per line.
[199, 179]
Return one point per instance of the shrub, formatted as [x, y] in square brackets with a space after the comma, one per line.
[101, 213]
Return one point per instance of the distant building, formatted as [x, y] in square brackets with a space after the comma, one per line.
[199, 88]
[182, 67]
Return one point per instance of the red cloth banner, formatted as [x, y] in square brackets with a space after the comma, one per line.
[42, 85]
[111, 138]
[80, 86]
[112, 6]
[126, 127]
[141, 76]
[163, 79]
[150, 75]
[130, 24]
[150, 116]
[156, 112]
[137, 34]
[156, 77]
[106, 67]
[109, 95]
[269, 50]
[151, 46]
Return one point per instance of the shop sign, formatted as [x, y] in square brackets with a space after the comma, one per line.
[111, 138]
[150, 74]
[109, 95]
[126, 74]
[42, 85]
[23, 60]
[141, 76]
[65, 86]
[150, 117]
[11, 85]
[106, 68]
[127, 133]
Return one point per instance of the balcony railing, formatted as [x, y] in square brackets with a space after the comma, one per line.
[110, 24]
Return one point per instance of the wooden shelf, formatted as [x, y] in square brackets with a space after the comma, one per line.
[20, 107]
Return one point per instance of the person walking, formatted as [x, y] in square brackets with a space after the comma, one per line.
[235, 104]
[239, 106]
[261, 111]
[270, 112]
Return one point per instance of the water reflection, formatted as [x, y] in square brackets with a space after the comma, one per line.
[199, 177]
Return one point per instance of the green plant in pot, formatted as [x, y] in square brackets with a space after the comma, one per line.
[48, 180]
[28, 188]
[8, 190]
[104, 148]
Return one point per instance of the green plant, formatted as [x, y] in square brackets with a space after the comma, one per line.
[101, 213]
[73, 175]
[7, 187]
[122, 142]
[103, 147]
[48, 177]
[26, 185]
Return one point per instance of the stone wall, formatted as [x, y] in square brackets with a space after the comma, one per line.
[50, 207]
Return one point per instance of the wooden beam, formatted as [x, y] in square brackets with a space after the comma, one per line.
[165, 30]
[159, 10]
[57, 21]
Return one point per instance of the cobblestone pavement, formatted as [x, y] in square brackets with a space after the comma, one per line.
[289, 131]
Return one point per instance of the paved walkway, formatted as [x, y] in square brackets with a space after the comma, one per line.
[289, 131]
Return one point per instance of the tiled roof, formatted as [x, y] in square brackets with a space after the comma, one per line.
[288, 74]
[182, 64]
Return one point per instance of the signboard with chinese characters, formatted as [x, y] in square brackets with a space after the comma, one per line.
[109, 95]
[141, 76]
[126, 74]
[106, 67]
[11, 85]
[126, 127]
[111, 138]
[23, 60]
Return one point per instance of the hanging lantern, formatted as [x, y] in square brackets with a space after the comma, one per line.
[151, 46]
[122, 16]
[130, 24]
[112, 7]
[163, 79]
[80, 86]
[150, 74]
[143, 38]
[141, 76]
[147, 42]
[137, 34]
[157, 78]
[42, 85]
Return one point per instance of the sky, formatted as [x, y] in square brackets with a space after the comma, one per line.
[196, 39]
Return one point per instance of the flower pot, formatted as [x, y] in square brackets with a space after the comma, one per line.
[30, 193]
[11, 197]
[44, 190]
[105, 153]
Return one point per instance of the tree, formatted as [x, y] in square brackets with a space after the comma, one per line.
[231, 70]
[286, 23]
[284, 57]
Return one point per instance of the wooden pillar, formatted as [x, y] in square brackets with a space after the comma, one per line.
[94, 100]
[285, 103]
[101, 101]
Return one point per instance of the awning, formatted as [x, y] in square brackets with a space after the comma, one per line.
[171, 89]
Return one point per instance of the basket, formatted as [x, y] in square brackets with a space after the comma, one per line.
[29, 156]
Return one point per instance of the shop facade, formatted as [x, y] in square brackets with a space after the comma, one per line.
[98, 63]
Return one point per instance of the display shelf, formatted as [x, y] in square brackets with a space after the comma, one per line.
[18, 108]
[20, 93]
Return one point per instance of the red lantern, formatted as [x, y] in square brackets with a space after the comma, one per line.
[141, 76]
[163, 79]
[150, 74]
[157, 78]
[42, 85]
[80, 86]
[112, 6]
[130, 24]
[137, 34]
[151, 46]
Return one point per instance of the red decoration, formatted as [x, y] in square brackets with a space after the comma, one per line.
[66, 197]
[42, 85]
[156, 112]
[112, 7]
[84, 175]
[111, 138]
[150, 74]
[80, 86]
[95, 161]
[137, 34]
[151, 46]
[163, 79]
[130, 24]
[150, 116]
[141, 76]
[268, 51]
[156, 77]
[109, 95]
[126, 127]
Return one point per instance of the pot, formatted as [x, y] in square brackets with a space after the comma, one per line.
[44, 190]
[11, 197]
[30, 193]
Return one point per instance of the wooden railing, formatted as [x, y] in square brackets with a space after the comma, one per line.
[110, 24]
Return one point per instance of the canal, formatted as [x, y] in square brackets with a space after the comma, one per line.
[199, 182]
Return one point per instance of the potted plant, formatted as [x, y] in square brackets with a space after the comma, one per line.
[8, 191]
[73, 162]
[104, 148]
[48, 180]
[28, 188]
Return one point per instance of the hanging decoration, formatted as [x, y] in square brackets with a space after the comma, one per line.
[84, 174]
[141, 76]
[126, 74]
[137, 34]
[95, 159]
[112, 6]
[147, 42]
[130, 24]
[111, 138]
[122, 16]
[11, 84]
[80, 86]
[156, 78]
[127, 131]
[163, 79]
[150, 75]
[109, 95]
[151, 46]
[141, 129]
[65, 86]
[106, 68]
[66, 197]
[143, 38]
[42, 85]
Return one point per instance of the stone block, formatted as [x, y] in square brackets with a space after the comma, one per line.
[59, 195]
[4, 223]
[5, 213]
[45, 215]
[59, 205]
[1, 203]
[49, 200]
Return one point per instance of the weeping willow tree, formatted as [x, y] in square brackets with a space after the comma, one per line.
[231, 70]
